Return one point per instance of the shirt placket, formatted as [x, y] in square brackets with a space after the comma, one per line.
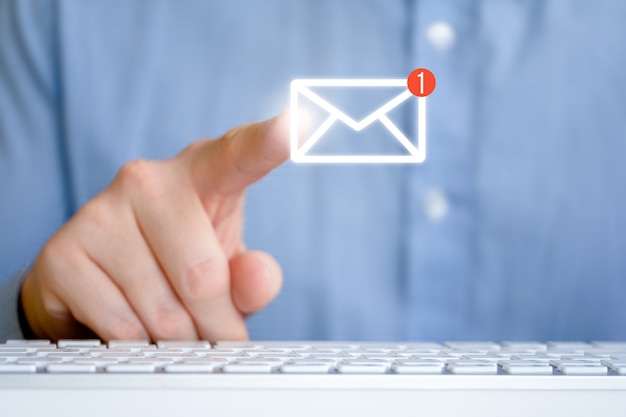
[439, 200]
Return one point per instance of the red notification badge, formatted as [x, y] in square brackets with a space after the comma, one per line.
[421, 82]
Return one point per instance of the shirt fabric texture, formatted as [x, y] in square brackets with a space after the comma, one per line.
[525, 160]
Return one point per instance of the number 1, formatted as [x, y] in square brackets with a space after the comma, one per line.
[420, 75]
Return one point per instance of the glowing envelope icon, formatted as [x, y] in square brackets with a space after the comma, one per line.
[415, 151]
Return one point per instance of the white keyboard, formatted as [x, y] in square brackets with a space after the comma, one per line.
[454, 358]
[80, 377]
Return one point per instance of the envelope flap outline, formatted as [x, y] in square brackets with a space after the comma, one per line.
[369, 119]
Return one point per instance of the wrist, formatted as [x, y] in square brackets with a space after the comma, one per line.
[24, 304]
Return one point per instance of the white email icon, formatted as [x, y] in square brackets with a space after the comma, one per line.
[415, 152]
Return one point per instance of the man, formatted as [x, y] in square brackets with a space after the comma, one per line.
[513, 228]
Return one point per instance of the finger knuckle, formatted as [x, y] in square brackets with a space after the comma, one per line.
[55, 256]
[138, 175]
[228, 151]
[170, 322]
[97, 214]
[52, 252]
[52, 307]
[124, 328]
[206, 280]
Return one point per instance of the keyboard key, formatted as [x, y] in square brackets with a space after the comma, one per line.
[417, 352]
[532, 358]
[214, 361]
[276, 361]
[569, 346]
[13, 356]
[578, 357]
[329, 362]
[239, 344]
[129, 344]
[424, 346]
[41, 358]
[363, 352]
[600, 353]
[518, 367]
[472, 346]
[390, 357]
[484, 358]
[362, 361]
[524, 346]
[22, 350]
[376, 347]
[13, 368]
[157, 362]
[329, 352]
[65, 355]
[610, 345]
[125, 368]
[287, 345]
[616, 366]
[104, 349]
[471, 367]
[362, 368]
[257, 352]
[439, 358]
[97, 362]
[73, 368]
[122, 356]
[77, 349]
[417, 367]
[41, 351]
[248, 368]
[556, 354]
[78, 343]
[39, 362]
[218, 350]
[259, 361]
[145, 350]
[172, 355]
[333, 356]
[186, 346]
[582, 368]
[561, 363]
[28, 343]
[321, 344]
[152, 351]
[189, 368]
[306, 368]
[281, 356]
[222, 355]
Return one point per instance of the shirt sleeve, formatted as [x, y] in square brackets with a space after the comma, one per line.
[9, 318]
[34, 196]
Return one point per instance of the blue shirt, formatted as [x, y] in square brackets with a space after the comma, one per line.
[513, 228]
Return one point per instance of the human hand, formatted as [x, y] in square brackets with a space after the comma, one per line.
[159, 253]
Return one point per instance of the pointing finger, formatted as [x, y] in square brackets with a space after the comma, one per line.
[242, 156]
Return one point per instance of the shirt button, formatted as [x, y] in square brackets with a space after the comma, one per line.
[441, 35]
[435, 205]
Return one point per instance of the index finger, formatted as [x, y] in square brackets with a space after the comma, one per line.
[242, 156]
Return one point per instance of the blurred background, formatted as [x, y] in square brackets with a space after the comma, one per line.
[514, 228]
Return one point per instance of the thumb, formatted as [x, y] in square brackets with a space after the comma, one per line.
[256, 279]
[242, 156]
